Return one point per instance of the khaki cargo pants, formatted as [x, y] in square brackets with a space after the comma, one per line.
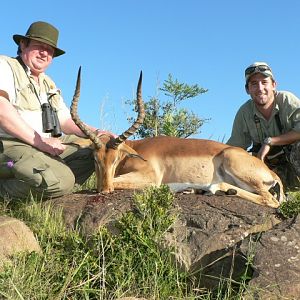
[40, 174]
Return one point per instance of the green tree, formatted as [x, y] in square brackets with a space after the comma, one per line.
[167, 118]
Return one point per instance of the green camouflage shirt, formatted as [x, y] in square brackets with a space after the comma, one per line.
[250, 127]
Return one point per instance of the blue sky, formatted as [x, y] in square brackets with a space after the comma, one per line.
[208, 43]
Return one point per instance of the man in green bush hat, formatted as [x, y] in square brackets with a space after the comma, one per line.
[269, 123]
[35, 124]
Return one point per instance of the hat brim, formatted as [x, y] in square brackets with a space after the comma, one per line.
[57, 51]
[265, 73]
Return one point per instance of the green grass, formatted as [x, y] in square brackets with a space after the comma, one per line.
[291, 207]
[104, 266]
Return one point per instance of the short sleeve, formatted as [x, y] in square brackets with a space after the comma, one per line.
[7, 82]
[240, 135]
[290, 111]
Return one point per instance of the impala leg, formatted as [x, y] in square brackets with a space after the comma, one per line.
[264, 199]
[253, 177]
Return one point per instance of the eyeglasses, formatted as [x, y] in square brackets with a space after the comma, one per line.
[259, 68]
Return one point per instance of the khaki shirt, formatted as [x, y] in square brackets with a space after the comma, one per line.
[27, 96]
[250, 127]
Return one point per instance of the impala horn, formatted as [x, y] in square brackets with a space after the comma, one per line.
[114, 143]
[73, 110]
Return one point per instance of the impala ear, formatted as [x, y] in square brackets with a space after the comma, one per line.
[130, 152]
[132, 155]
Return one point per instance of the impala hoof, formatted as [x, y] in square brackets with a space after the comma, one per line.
[231, 192]
[220, 193]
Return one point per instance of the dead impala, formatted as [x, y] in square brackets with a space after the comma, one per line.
[180, 163]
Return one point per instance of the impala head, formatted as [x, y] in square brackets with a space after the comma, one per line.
[108, 151]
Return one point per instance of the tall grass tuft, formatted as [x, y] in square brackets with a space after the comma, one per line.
[134, 258]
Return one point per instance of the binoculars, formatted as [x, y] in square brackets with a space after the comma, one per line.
[50, 120]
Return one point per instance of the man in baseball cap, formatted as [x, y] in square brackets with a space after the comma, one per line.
[268, 125]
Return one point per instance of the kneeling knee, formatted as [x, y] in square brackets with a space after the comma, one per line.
[58, 183]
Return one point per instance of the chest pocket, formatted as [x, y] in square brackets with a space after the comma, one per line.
[27, 99]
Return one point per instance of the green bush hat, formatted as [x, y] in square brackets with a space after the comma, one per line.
[42, 32]
[258, 67]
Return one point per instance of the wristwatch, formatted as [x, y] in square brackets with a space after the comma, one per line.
[268, 141]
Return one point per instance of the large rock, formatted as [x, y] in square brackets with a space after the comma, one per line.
[277, 263]
[211, 238]
[209, 232]
[15, 237]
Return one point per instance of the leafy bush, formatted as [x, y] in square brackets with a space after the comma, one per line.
[291, 207]
[166, 117]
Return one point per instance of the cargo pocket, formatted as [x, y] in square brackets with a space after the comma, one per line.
[34, 171]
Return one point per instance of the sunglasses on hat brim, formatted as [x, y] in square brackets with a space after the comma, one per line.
[260, 68]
